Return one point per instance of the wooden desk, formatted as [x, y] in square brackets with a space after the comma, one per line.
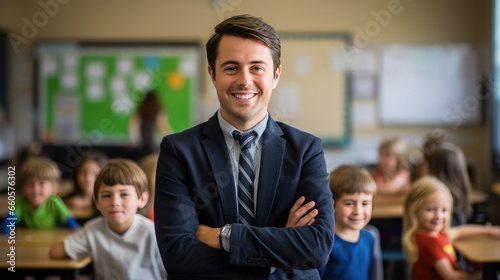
[481, 249]
[496, 188]
[82, 213]
[4, 204]
[391, 208]
[36, 237]
[384, 208]
[35, 261]
[478, 196]
[387, 217]
[32, 255]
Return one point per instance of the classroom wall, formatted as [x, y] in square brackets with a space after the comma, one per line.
[416, 22]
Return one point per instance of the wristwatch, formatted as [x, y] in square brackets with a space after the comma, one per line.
[224, 237]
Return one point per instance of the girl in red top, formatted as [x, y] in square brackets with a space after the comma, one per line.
[391, 173]
[427, 236]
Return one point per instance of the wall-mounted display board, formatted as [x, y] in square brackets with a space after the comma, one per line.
[429, 85]
[313, 93]
[3, 76]
[5, 139]
[494, 100]
[91, 90]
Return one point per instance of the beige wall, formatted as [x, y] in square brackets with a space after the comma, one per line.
[417, 22]
[423, 21]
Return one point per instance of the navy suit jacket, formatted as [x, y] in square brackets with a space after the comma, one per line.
[195, 185]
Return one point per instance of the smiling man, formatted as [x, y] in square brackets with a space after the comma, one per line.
[245, 80]
[242, 196]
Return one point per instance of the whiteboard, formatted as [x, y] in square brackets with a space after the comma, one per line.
[428, 85]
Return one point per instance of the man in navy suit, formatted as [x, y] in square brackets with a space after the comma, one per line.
[198, 228]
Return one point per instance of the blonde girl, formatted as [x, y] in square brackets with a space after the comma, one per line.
[427, 236]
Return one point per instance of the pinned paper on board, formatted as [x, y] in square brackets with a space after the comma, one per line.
[49, 67]
[363, 86]
[188, 67]
[70, 61]
[94, 92]
[95, 70]
[118, 84]
[302, 65]
[69, 81]
[121, 104]
[142, 81]
[124, 65]
[175, 80]
[67, 117]
[286, 98]
[364, 114]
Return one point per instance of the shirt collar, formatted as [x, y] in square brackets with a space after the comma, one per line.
[227, 129]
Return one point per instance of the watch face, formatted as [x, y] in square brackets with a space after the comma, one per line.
[224, 237]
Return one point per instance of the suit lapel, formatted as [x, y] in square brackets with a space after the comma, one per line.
[273, 151]
[220, 162]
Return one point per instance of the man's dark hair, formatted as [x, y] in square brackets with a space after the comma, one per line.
[244, 26]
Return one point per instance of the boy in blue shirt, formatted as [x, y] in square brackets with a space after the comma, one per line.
[352, 255]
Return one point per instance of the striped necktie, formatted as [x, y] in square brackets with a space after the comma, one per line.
[245, 178]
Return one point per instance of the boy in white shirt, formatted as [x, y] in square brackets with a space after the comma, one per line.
[122, 243]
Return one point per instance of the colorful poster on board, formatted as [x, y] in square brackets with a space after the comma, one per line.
[92, 91]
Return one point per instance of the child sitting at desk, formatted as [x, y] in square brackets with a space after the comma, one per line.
[39, 207]
[447, 163]
[391, 174]
[352, 255]
[122, 242]
[427, 236]
[83, 178]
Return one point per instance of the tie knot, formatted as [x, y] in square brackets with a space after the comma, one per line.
[245, 140]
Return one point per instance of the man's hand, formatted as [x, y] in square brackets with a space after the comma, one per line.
[208, 236]
[301, 215]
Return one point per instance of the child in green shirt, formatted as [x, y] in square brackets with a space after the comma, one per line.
[38, 207]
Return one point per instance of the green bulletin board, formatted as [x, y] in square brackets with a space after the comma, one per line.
[92, 90]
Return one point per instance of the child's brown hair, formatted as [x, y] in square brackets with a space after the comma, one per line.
[447, 163]
[123, 172]
[42, 168]
[351, 179]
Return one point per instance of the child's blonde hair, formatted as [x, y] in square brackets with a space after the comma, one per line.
[397, 147]
[42, 168]
[123, 172]
[351, 179]
[419, 192]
